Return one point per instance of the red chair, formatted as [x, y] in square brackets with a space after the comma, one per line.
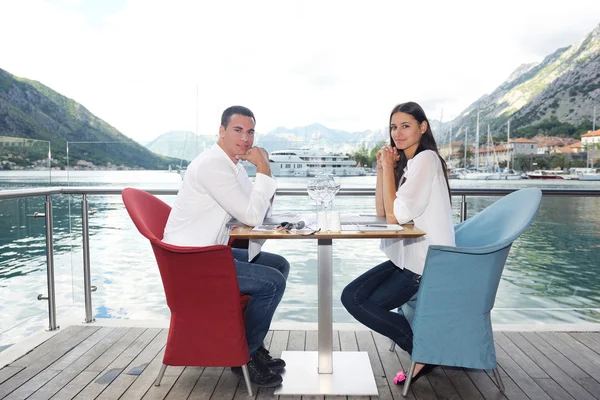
[201, 287]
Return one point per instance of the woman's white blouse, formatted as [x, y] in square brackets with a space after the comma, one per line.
[423, 198]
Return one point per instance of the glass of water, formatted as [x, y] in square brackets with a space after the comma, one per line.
[313, 189]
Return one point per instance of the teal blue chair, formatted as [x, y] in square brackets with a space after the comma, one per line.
[450, 316]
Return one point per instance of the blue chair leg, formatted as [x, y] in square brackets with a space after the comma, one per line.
[411, 371]
[498, 379]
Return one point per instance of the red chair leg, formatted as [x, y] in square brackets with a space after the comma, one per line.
[160, 375]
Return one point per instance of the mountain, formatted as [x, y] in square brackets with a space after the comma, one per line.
[181, 144]
[173, 143]
[30, 110]
[313, 135]
[558, 93]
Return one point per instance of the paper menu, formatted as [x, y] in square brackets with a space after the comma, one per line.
[372, 227]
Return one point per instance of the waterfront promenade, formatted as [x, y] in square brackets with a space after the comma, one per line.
[119, 357]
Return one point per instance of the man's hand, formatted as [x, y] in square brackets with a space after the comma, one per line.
[260, 158]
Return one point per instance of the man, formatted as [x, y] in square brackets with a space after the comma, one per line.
[215, 189]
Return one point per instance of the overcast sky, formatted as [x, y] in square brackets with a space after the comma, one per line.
[137, 64]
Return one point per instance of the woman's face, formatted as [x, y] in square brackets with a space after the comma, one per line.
[406, 132]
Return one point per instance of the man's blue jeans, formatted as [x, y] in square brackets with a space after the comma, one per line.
[264, 280]
[371, 297]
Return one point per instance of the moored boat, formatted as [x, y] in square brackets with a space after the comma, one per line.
[308, 161]
[544, 174]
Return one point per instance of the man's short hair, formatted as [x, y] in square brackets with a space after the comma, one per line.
[226, 116]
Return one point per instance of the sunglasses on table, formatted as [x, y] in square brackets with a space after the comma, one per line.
[288, 226]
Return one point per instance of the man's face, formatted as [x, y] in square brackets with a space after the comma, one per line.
[238, 136]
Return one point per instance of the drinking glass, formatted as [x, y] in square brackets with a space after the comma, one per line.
[331, 186]
[312, 188]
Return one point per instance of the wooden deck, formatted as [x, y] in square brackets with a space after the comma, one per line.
[95, 362]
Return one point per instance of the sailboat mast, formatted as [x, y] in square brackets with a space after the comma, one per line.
[487, 150]
[197, 120]
[183, 151]
[466, 144]
[477, 143]
[508, 146]
[441, 135]
[450, 144]
[593, 130]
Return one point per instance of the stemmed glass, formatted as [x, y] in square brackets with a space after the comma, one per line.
[335, 182]
[331, 188]
[322, 189]
[313, 189]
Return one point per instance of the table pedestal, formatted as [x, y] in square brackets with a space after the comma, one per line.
[352, 375]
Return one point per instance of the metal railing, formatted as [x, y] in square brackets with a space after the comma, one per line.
[86, 191]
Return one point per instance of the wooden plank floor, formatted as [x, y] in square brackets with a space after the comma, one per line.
[94, 362]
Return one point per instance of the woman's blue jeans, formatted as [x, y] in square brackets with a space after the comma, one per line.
[371, 297]
[264, 280]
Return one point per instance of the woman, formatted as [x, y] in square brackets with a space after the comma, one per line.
[412, 184]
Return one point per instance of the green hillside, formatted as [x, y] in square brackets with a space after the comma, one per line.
[30, 110]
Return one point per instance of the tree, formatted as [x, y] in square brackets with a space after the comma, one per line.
[551, 127]
[366, 157]
[461, 151]
[373, 153]
[361, 155]
[524, 162]
[542, 163]
[561, 161]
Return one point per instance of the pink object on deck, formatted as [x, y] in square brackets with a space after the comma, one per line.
[400, 377]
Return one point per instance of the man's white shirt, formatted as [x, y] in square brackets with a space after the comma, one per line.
[214, 190]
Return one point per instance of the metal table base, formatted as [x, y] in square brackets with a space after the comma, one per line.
[326, 372]
[352, 375]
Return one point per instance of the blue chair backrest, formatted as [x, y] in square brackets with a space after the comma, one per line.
[497, 225]
[501, 222]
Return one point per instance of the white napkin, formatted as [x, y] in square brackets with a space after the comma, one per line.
[254, 246]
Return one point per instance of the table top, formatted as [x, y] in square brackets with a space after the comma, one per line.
[246, 232]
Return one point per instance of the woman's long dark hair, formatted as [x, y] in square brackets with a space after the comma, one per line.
[427, 141]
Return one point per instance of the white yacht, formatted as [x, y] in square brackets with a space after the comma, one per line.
[479, 175]
[308, 161]
[551, 174]
[586, 174]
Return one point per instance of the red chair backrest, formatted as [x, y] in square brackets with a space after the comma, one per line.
[149, 214]
[200, 283]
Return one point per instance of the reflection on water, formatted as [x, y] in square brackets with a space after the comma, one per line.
[555, 263]
[552, 273]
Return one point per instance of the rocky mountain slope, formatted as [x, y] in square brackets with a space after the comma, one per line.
[563, 88]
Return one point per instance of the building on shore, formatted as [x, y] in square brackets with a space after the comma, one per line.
[591, 143]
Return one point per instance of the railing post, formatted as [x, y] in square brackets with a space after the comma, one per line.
[87, 280]
[463, 208]
[50, 267]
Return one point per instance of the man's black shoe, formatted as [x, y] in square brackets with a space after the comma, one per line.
[260, 374]
[274, 364]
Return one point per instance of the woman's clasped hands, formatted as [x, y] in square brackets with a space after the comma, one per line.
[387, 157]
